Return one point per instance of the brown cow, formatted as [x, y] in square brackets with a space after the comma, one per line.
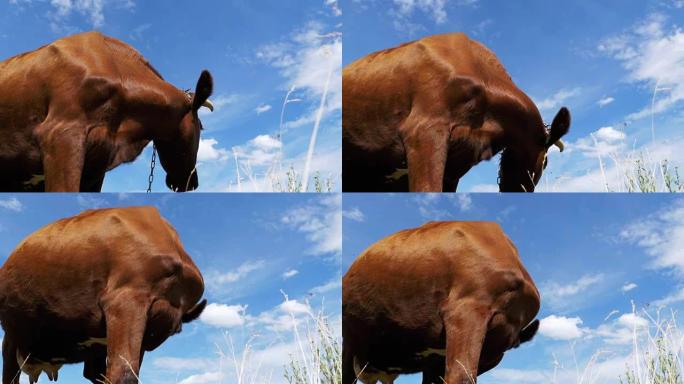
[101, 288]
[432, 109]
[80, 106]
[446, 299]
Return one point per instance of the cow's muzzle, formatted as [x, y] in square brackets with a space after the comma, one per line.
[183, 184]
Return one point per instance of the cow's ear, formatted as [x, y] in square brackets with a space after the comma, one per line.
[559, 127]
[528, 332]
[194, 312]
[204, 89]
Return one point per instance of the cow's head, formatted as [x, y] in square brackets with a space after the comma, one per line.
[524, 159]
[178, 149]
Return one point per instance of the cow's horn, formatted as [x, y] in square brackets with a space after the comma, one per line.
[560, 145]
[208, 104]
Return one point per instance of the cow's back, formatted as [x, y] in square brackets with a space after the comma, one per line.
[421, 267]
[86, 77]
[70, 263]
[430, 76]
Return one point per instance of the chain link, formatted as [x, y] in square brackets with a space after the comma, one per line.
[150, 179]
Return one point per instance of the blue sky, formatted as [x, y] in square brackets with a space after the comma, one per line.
[602, 59]
[250, 248]
[256, 50]
[590, 255]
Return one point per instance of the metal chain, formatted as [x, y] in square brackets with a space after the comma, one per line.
[150, 179]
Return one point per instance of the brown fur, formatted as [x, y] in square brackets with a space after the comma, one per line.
[84, 104]
[453, 286]
[437, 106]
[118, 274]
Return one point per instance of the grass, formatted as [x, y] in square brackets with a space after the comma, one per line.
[654, 357]
[291, 181]
[646, 176]
[319, 357]
[657, 357]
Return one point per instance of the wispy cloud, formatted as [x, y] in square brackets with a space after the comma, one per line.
[62, 13]
[290, 273]
[558, 99]
[217, 279]
[12, 204]
[605, 101]
[652, 54]
[259, 151]
[90, 201]
[436, 206]
[262, 108]
[558, 295]
[354, 214]
[661, 235]
[628, 287]
[321, 223]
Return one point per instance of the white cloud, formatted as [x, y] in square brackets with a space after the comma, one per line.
[604, 142]
[435, 8]
[290, 273]
[431, 207]
[653, 55]
[617, 166]
[223, 316]
[484, 188]
[621, 331]
[204, 378]
[285, 316]
[628, 287]
[183, 363]
[12, 203]
[320, 222]
[465, 202]
[210, 151]
[217, 279]
[672, 298]
[557, 294]
[93, 11]
[334, 7]
[333, 284]
[306, 60]
[661, 235]
[508, 375]
[259, 151]
[294, 307]
[556, 100]
[605, 101]
[90, 201]
[561, 327]
[354, 214]
[261, 108]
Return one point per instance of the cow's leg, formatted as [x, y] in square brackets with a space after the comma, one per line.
[348, 373]
[465, 322]
[433, 372]
[426, 146]
[126, 314]
[95, 365]
[93, 185]
[63, 157]
[10, 366]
